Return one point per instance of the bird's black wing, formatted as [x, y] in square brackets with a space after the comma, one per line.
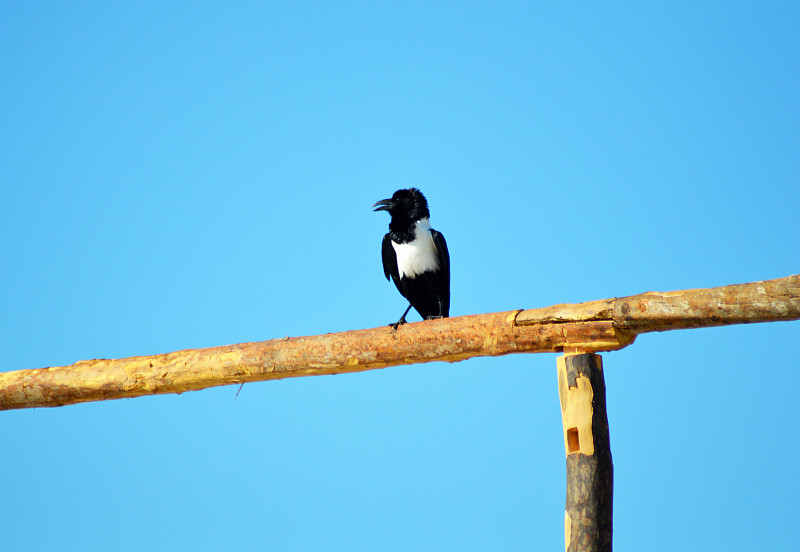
[444, 269]
[389, 259]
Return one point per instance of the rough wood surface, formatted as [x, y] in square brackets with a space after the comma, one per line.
[767, 301]
[588, 327]
[448, 339]
[590, 471]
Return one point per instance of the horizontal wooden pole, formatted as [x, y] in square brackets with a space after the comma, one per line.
[589, 327]
[767, 301]
[447, 339]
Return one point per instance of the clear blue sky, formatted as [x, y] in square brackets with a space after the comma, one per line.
[180, 175]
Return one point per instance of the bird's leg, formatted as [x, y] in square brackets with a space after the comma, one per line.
[435, 316]
[402, 319]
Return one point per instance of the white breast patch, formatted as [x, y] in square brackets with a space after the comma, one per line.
[419, 255]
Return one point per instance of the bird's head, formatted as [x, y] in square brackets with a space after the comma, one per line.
[405, 205]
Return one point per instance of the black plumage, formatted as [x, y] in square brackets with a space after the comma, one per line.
[415, 256]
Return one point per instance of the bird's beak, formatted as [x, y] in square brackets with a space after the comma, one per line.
[384, 205]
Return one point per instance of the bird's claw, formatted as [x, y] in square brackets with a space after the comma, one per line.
[398, 323]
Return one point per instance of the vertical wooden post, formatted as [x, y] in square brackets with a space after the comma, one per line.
[590, 473]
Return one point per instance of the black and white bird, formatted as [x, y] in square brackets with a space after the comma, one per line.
[415, 255]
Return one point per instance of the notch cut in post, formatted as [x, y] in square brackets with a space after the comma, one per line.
[590, 472]
[573, 440]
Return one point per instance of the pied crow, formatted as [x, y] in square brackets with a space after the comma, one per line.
[415, 255]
